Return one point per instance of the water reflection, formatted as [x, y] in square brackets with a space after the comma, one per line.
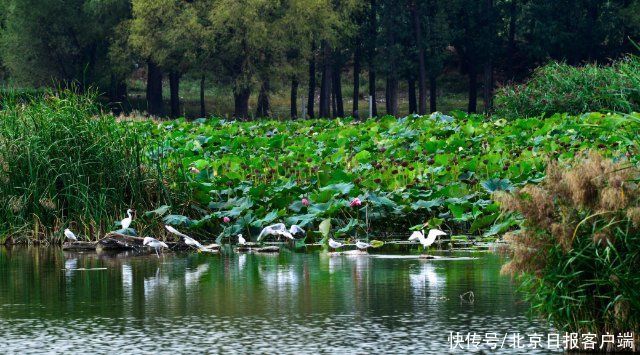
[294, 303]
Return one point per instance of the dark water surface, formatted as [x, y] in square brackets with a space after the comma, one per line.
[286, 303]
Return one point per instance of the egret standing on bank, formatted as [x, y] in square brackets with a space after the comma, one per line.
[69, 234]
[430, 239]
[362, 246]
[335, 245]
[241, 240]
[155, 244]
[125, 223]
[187, 239]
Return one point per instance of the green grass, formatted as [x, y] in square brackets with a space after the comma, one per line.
[559, 88]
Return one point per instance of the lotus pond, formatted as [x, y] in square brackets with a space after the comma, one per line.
[440, 169]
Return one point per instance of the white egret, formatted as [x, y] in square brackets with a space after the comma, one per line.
[335, 245]
[155, 244]
[125, 223]
[362, 245]
[187, 239]
[278, 229]
[241, 240]
[430, 239]
[69, 234]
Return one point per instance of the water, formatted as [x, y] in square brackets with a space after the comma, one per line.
[286, 303]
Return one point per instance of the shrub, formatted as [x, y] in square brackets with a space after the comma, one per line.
[560, 88]
[63, 162]
[577, 254]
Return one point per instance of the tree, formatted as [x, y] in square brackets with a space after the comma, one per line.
[65, 41]
[437, 38]
[474, 40]
[422, 72]
[165, 34]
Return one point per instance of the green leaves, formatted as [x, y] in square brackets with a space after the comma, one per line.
[325, 227]
[159, 212]
[405, 171]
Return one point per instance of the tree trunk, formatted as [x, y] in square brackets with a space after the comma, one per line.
[174, 88]
[356, 81]
[593, 12]
[325, 85]
[422, 76]
[372, 92]
[488, 86]
[373, 30]
[337, 91]
[203, 108]
[412, 96]
[264, 108]
[392, 96]
[294, 98]
[154, 89]
[473, 88]
[333, 99]
[312, 82]
[511, 46]
[117, 94]
[433, 93]
[241, 103]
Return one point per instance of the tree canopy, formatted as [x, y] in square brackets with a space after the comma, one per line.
[259, 46]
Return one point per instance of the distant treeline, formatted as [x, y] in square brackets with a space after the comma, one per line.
[255, 46]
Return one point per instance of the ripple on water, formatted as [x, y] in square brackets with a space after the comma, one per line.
[290, 303]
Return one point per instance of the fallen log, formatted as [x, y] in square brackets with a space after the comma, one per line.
[115, 241]
[267, 249]
[79, 246]
[118, 241]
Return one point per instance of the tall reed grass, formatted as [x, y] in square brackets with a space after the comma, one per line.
[577, 254]
[63, 163]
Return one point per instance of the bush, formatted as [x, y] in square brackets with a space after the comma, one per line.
[62, 161]
[560, 88]
[577, 254]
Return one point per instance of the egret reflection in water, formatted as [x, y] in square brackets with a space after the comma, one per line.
[282, 303]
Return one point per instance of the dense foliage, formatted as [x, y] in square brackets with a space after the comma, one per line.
[577, 255]
[64, 164]
[260, 47]
[558, 87]
[404, 172]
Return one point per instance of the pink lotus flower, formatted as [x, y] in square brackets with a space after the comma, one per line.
[305, 202]
[355, 202]
[226, 220]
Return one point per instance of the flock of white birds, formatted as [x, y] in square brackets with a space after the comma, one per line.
[278, 230]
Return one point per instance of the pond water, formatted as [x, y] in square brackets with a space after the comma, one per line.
[52, 300]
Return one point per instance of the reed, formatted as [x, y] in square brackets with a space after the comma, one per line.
[576, 256]
[64, 163]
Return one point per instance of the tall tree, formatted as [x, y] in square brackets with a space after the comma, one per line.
[65, 41]
[473, 39]
[163, 33]
[371, 52]
[422, 72]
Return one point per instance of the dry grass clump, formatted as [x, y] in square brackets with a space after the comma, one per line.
[554, 210]
[578, 250]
